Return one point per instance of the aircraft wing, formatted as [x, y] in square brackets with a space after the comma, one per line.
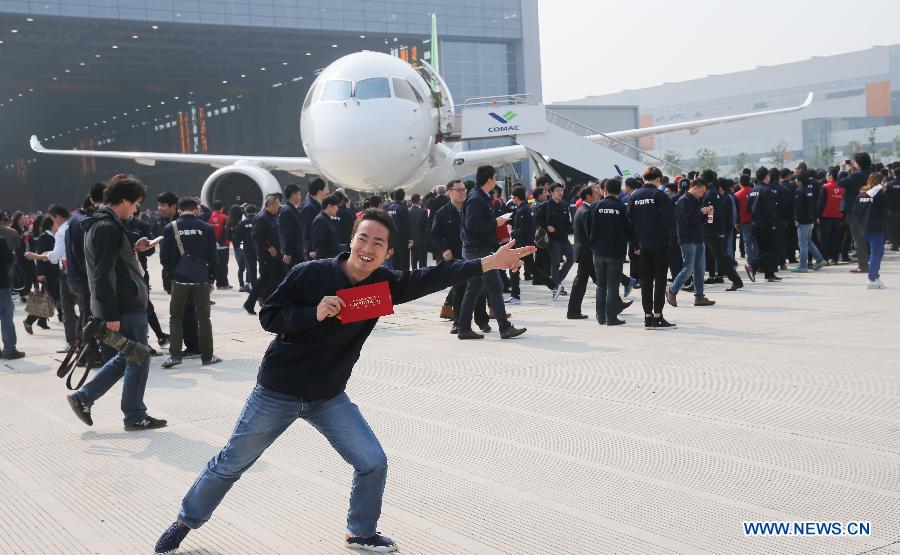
[295, 165]
[465, 162]
[694, 126]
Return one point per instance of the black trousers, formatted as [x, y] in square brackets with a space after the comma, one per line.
[531, 267]
[542, 261]
[780, 246]
[250, 261]
[792, 244]
[716, 245]
[270, 274]
[81, 296]
[222, 266]
[585, 271]
[894, 228]
[765, 262]
[654, 266]
[400, 260]
[830, 238]
[419, 258]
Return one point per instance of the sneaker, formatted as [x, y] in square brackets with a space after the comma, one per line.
[64, 349]
[373, 544]
[623, 306]
[799, 271]
[751, 273]
[163, 339]
[171, 361]
[562, 291]
[213, 359]
[649, 323]
[146, 423]
[171, 538]
[630, 286]
[878, 283]
[557, 291]
[818, 266]
[245, 288]
[735, 286]
[710, 281]
[670, 298]
[872, 285]
[703, 301]
[224, 287]
[249, 309]
[43, 324]
[82, 411]
[662, 324]
[513, 300]
[616, 322]
[14, 354]
[511, 332]
[454, 329]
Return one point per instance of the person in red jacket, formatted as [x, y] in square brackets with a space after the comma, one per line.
[831, 220]
[745, 218]
[217, 220]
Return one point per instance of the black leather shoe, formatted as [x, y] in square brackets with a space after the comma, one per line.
[469, 334]
[577, 316]
[485, 328]
[454, 330]
[616, 322]
[511, 332]
[625, 305]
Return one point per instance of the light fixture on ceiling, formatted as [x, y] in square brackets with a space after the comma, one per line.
[29, 19]
[115, 46]
[362, 36]
[98, 55]
[82, 64]
[176, 98]
[135, 37]
[14, 31]
[55, 78]
[262, 69]
[309, 53]
[30, 90]
[334, 46]
[224, 82]
[68, 71]
[155, 27]
[243, 75]
[1, 42]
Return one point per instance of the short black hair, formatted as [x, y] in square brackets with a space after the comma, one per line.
[699, 182]
[613, 186]
[710, 176]
[187, 204]
[803, 178]
[96, 193]
[484, 174]
[632, 182]
[692, 175]
[44, 223]
[377, 215]
[218, 205]
[58, 210]
[167, 198]
[519, 193]
[761, 174]
[541, 181]
[416, 199]
[316, 185]
[863, 160]
[745, 180]
[331, 200]
[291, 189]
[374, 201]
[586, 192]
[250, 209]
[747, 171]
[672, 187]
[652, 173]
[555, 186]
[785, 173]
[122, 187]
[398, 195]
[469, 184]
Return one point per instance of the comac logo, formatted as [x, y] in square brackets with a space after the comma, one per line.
[505, 118]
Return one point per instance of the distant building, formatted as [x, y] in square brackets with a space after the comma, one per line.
[854, 93]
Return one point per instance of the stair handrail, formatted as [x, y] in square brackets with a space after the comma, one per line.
[503, 100]
[591, 134]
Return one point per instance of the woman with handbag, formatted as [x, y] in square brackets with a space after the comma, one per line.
[44, 301]
[26, 273]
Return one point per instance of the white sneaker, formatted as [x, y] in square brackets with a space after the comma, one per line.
[512, 300]
[64, 349]
[872, 285]
[878, 283]
[557, 292]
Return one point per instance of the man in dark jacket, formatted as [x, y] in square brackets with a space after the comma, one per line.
[785, 237]
[479, 236]
[7, 309]
[243, 236]
[289, 232]
[763, 206]
[119, 299]
[325, 239]
[558, 227]
[861, 168]
[690, 220]
[418, 229]
[318, 190]
[188, 253]
[804, 203]
[583, 254]
[305, 370]
[523, 234]
[167, 205]
[652, 217]
[403, 241]
[609, 234]
[268, 252]
[714, 231]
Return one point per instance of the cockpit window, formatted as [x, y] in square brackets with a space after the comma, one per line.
[377, 87]
[336, 90]
[403, 89]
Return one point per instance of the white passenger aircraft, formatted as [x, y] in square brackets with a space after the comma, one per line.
[372, 122]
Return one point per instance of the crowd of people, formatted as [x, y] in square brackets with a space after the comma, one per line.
[294, 255]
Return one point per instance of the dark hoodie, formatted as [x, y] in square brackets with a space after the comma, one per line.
[115, 276]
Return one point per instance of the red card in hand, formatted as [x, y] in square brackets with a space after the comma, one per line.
[365, 302]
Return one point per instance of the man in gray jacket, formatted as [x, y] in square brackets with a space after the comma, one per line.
[119, 298]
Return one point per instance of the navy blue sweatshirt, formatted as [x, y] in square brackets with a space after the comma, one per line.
[717, 201]
[198, 239]
[325, 238]
[243, 236]
[523, 226]
[652, 217]
[400, 213]
[289, 232]
[805, 202]
[558, 217]
[7, 259]
[479, 225]
[308, 213]
[609, 228]
[265, 235]
[763, 204]
[445, 232]
[689, 220]
[785, 195]
[313, 360]
[581, 226]
[872, 212]
[75, 269]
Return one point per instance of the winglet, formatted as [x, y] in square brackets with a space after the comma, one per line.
[36, 144]
[808, 101]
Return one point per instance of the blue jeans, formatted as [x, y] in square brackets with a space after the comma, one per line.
[133, 326]
[266, 415]
[876, 253]
[694, 257]
[608, 270]
[749, 243]
[804, 238]
[7, 326]
[490, 283]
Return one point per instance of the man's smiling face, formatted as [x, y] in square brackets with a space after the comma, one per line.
[369, 247]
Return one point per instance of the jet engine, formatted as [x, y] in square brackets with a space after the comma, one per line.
[239, 183]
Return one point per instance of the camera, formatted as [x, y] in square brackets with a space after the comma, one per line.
[134, 351]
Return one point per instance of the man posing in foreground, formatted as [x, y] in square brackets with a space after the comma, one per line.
[305, 370]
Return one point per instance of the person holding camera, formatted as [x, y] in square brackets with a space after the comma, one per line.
[119, 298]
[188, 253]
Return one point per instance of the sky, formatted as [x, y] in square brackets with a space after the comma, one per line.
[593, 47]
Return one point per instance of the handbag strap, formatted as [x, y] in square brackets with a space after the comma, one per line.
[177, 237]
